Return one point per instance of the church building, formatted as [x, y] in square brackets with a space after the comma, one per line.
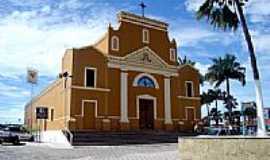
[128, 80]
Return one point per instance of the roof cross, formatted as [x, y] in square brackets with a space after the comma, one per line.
[143, 6]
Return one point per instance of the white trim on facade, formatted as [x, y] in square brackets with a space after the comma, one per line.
[148, 97]
[91, 88]
[115, 48]
[125, 63]
[143, 21]
[194, 112]
[189, 98]
[89, 101]
[95, 76]
[192, 88]
[145, 36]
[167, 100]
[124, 97]
[139, 76]
[172, 54]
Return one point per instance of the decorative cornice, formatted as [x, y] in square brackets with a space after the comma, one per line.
[189, 98]
[91, 88]
[152, 64]
[139, 20]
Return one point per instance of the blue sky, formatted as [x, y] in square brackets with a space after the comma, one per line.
[35, 33]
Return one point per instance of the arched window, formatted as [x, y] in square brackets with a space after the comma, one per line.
[115, 43]
[146, 82]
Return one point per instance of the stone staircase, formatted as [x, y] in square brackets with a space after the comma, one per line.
[84, 138]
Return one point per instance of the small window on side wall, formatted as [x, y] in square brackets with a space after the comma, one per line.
[189, 89]
[90, 77]
[145, 35]
[172, 54]
[115, 43]
[52, 114]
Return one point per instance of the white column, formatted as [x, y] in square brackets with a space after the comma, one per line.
[167, 100]
[124, 97]
[261, 131]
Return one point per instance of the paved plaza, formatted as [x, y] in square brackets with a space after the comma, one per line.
[33, 151]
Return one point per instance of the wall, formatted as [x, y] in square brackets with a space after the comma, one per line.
[52, 98]
[224, 148]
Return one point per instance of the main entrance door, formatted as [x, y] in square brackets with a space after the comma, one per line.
[88, 115]
[146, 108]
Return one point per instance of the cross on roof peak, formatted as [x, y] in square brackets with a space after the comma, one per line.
[143, 6]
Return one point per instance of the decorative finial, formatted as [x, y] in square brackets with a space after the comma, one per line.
[143, 6]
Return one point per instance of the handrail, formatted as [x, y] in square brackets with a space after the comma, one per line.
[69, 136]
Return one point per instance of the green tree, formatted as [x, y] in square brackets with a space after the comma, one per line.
[223, 70]
[185, 60]
[227, 14]
[216, 95]
[216, 115]
[207, 99]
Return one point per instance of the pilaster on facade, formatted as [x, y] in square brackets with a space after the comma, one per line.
[167, 100]
[124, 98]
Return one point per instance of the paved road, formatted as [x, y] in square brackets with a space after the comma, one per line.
[32, 151]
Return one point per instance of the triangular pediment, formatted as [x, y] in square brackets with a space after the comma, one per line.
[145, 56]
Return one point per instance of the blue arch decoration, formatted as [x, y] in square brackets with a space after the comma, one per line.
[146, 82]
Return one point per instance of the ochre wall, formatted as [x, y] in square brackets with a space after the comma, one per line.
[107, 91]
[130, 38]
[53, 98]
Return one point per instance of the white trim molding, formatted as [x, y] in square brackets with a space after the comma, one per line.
[124, 98]
[189, 98]
[194, 112]
[148, 97]
[143, 60]
[91, 88]
[142, 21]
[95, 76]
[89, 101]
[145, 36]
[115, 48]
[173, 54]
[167, 100]
[139, 76]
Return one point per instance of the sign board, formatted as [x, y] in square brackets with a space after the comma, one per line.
[32, 76]
[42, 113]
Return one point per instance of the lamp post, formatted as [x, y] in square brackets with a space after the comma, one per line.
[65, 75]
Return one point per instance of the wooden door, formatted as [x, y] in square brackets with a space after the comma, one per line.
[190, 118]
[89, 115]
[146, 120]
[190, 114]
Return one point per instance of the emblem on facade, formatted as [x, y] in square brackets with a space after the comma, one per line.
[146, 58]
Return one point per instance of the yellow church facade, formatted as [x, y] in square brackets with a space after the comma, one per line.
[128, 80]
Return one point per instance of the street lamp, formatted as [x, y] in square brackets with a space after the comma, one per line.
[65, 75]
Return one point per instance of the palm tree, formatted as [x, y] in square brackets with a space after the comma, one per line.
[227, 14]
[216, 95]
[216, 115]
[222, 71]
[207, 99]
[185, 60]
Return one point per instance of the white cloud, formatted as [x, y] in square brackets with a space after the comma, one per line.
[202, 67]
[38, 38]
[187, 36]
[259, 10]
[11, 91]
[193, 5]
[262, 43]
